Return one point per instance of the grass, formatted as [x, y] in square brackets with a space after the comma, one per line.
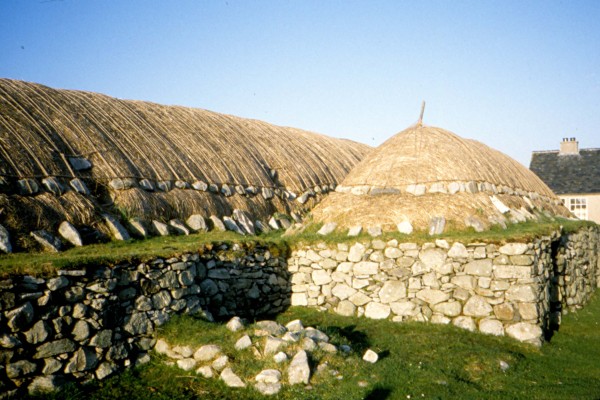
[514, 232]
[119, 251]
[417, 360]
[38, 264]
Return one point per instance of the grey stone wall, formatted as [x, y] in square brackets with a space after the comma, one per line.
[517, 289]
[91, 322]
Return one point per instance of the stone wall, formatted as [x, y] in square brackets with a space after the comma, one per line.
[90, 322]
[517, 289]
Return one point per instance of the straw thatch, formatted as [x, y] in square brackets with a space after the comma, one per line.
[146, 147]
[41, 128]
[425, 172]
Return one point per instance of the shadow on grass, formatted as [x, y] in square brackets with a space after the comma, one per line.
[357, 339]
[379, 393]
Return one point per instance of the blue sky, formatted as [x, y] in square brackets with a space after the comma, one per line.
[516, 75]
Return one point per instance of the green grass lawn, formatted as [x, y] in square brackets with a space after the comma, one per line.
[423, 361]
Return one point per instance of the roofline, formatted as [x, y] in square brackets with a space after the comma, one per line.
[556, 151]
[578, 194]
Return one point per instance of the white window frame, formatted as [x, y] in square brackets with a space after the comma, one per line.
[577, 205]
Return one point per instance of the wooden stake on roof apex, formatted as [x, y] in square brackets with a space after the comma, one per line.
[422, 112]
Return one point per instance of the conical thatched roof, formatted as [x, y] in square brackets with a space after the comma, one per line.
[426, 172]
[72, 155]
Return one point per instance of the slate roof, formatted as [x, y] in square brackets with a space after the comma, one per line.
[568, 173]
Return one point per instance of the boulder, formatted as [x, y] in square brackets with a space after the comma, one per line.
[327, 228]
[179, 227]
[138, 227]
[231, 379]
[436, 226]
[115, 227]
[160, 228]
[147, 185]
[27, 187]
[48, 241]
[231, 225]
[80, 163]
[299, 369]
[200, 185]
[79, 186]
[217, 224]
[207, 352]
[5, 245]
[70, 233]
[53, 186]
[405, 227]
[370, 356]
[244, 221]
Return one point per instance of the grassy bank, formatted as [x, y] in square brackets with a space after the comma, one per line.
[417, 361]
[115, 251]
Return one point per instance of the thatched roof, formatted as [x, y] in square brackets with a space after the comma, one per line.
[42, 127]
[149, 160]
[424, 172]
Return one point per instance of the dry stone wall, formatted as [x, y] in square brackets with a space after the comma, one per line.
[517, 289]
[90, 322]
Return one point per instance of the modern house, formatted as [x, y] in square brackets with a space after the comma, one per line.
[574, 175]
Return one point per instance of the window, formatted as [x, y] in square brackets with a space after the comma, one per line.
[578, 206]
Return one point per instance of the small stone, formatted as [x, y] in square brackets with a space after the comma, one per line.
[179, 227]
[374, 231]
[217, 223]
[354, 230]
[436, 226]
[161, 347]
[197, 223]
[280, 357]
[272, 327]
[115, 227]
[44, 384]
[299, 369]
[20, 368]
[504, 366]
[375, 310]
[48, 241]
[273, 344]
[235, 324]
[244, 221]
[69, 233]
[458, 250]
[186, 364]
[80, 163]
[370, 356]
[164, 186]
[53, 186]
[525, 332]
[475, 223]
[138, 227]
[205, 371]
[294, 326]
[207, 352]
[219, 363]
[268, 389]
[160, 228]
[231, 225]
[5, 245]
[327, 228]
[268, 376]
[105, 369]
[405, 227]
[231, 379]
[243, 343]
[147, 185]
[200, 185]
